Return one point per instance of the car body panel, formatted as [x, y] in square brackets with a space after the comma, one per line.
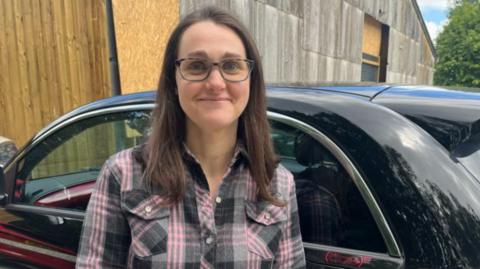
[32, 249]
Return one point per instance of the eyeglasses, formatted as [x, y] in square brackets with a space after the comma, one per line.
[198, 69]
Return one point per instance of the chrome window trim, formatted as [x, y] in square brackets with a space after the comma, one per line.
[86, 115]
[392, 246]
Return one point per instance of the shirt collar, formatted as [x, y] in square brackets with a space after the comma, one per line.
[240, 154]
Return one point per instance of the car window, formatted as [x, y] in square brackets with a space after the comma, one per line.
[472, 162]
[61, 170]
[468, 153]
[332, 211]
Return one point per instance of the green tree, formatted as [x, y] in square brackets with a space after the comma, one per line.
[458, 47]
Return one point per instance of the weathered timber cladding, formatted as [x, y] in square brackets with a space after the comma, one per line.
[321, 41]
[53, 58]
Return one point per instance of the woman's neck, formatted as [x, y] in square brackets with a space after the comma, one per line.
[214, 150]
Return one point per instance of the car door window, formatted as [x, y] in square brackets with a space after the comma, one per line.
[331, 209]
[61, 170]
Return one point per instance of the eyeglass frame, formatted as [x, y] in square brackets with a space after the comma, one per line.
[250, 63]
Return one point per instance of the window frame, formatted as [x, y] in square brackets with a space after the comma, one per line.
[46, 133]
[393, 248]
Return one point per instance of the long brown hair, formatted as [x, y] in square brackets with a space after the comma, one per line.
[162, 155]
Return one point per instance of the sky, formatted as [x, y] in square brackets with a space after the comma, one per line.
[434, 14]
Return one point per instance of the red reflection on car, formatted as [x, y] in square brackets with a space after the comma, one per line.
[343, 259]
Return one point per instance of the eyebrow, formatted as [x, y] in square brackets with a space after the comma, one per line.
[201, 53]
[231, 55]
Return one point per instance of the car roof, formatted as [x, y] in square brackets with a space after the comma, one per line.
[367, 91]
[451, 116]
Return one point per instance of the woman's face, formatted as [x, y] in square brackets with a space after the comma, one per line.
[214, 103]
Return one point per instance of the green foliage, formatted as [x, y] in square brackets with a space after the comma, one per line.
[458, 47]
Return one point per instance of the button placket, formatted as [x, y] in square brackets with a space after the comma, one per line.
[209, 240]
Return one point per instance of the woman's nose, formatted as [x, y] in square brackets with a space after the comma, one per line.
[215, 79]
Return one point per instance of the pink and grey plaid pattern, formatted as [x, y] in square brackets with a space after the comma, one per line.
[126, 228]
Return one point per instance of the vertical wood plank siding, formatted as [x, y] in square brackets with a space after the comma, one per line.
[53, 58]
[311, 41]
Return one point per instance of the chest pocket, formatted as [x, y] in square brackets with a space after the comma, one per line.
[148, 223]
[264, 228]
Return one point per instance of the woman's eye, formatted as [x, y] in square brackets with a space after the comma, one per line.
[196, 66]
[231, 66]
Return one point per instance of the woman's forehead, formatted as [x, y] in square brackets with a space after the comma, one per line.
[204, 54]
[208, 39]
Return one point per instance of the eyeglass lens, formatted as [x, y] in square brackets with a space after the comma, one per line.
[199, 69]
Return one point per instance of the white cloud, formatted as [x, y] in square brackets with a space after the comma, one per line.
[434, 4]
[435, 28]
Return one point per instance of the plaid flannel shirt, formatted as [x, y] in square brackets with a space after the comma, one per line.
[126, 228]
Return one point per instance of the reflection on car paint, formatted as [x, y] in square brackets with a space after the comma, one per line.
[350, 260]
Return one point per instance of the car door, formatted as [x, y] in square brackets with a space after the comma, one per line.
[342, 225]
[52, 181]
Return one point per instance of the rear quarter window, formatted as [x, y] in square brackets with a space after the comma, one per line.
[469, 155]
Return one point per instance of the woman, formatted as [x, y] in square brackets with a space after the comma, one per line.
[206, 190]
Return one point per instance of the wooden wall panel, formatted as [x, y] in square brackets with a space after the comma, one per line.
[53, 58]
[142, 29]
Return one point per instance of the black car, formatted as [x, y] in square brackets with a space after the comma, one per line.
[386, 176]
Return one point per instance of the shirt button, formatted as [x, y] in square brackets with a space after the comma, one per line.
[209, 240]
[267, 216]
[148, 209]
[218, 199]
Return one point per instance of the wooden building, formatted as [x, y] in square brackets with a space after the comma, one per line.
[55, 56]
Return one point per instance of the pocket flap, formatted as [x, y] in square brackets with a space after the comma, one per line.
[144, 205]
[265, 213]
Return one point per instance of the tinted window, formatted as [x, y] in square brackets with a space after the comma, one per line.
[472, 163]
[61, 170]
[332, 210]
[468, 153]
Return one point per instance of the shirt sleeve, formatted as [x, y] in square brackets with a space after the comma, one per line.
[291, 253]
[105, 239]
